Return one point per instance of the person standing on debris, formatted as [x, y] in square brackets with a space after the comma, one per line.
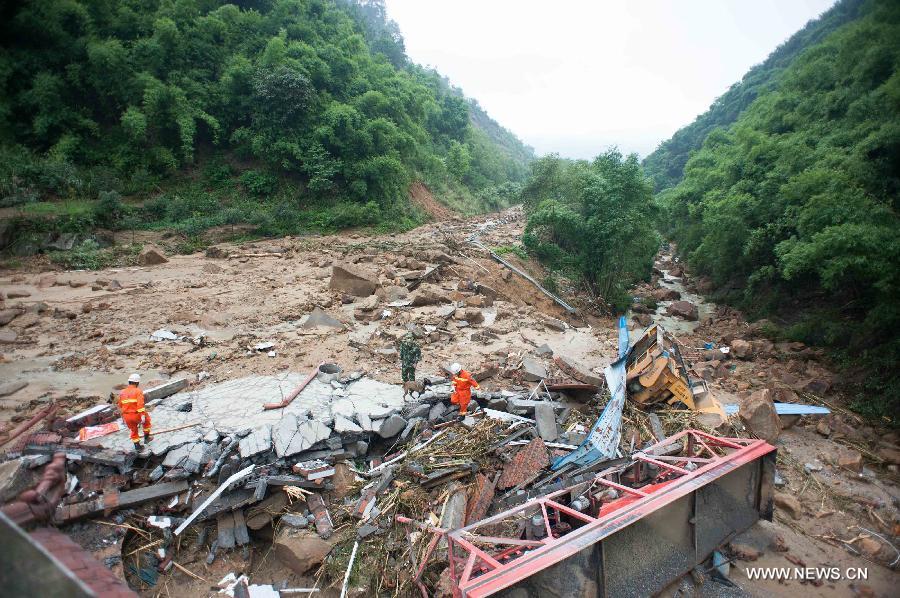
[131, 404]
[410, 355]
[463, 382]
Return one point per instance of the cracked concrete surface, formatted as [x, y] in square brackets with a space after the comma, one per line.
[237, 405]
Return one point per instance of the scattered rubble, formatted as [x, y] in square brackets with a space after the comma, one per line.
[278, 452]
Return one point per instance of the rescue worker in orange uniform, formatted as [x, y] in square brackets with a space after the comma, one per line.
[463, 383]
[131, 404]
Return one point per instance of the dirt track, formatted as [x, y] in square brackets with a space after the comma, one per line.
[81, 343]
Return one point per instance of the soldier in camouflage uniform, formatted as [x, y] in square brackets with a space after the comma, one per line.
[410, 355]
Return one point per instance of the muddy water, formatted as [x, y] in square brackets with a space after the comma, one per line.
[676, 325]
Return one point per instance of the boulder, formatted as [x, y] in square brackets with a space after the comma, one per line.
[424, 297]
[741, 349]
[151, 256]
[470, 314]
[300, 550]
[823, 428]
[890, 455]
[8, 337]
[641, 319]
[790, 504]
[758, 414]
[8, 315]
[665, 294]
[685, 310]
[352, 280]
[217, 253]
[554, 324]
[851, 460]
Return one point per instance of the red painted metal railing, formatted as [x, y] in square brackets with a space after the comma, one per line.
[482, 564]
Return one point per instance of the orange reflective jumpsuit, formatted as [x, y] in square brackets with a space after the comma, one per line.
[131, 403]
[463, 383]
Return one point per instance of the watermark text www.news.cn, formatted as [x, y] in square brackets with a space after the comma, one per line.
[807, 573]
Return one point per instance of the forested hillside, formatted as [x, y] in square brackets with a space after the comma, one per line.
[665, 166]
[592, 221]
[285, 114]
[793, 209]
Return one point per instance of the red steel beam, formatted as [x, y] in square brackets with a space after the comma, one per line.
[495, 575]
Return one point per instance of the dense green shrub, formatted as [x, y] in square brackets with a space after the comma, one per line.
[796, 204]
[594, 220]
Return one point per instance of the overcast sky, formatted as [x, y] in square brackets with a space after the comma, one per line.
[577, 76]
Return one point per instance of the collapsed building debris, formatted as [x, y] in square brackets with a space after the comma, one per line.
[257, 456]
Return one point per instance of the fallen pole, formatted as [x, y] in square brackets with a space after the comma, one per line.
[524, 275]
[175, 429]
[287, 400]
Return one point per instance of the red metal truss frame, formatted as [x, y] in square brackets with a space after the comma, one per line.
[475, 571]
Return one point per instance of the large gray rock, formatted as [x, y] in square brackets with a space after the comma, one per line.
[300, 550]
[392, 426]
[351, 280]
[534, 369]
[759, 415]
[684, 310]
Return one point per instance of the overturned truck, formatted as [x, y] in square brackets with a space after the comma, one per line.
[629, 531]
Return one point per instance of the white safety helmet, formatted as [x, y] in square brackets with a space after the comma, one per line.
[455, 368]
[134, 378]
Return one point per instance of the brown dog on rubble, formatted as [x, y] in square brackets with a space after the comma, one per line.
[415, 386]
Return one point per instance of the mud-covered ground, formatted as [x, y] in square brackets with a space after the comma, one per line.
[80, 334]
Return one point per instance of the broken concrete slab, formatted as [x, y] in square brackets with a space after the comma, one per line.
[545, 421]
[578, 371]
[342, 425]
[15, 478]
[392, 426]
[436, 412]
[291, 436]
[236, 405]
[164, 390]
[365, 422]
[258, 441]
[190, 457]
[534, 369]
